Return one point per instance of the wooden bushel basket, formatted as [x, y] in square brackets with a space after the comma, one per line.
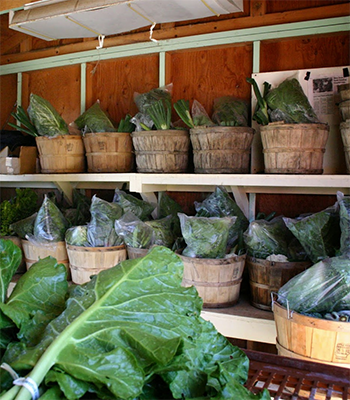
[294, 148]
[109, 152]
[61, 154]
[313, 339]
[217, 281]
[266, 277]
[87, 261]
[345, 134]
[163, 151]
[221, 149]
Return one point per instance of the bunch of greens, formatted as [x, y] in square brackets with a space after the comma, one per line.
[145, 100]
[220, 204]
[230, 111]
[95, 120]
[21, 206]
[134, 232]
[319, 233]
[26, 124]
[125, 125]
[160, 114]
[196, 117]
[289, 103]
[167, 206]
[50, 224]
[129, 203]
[261, 114]
[77, 236]
[182, 108]
[45, 118]
[79, 213]
[205, 237]
[265, 238]
[25, 226]
[344, 215]
[162, 231]
[100, 231]
[324, 287]
[113, 340]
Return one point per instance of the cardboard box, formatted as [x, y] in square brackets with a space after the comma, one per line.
[21, 161]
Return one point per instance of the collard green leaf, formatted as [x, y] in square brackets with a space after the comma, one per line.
[38, 297]
[10, 259]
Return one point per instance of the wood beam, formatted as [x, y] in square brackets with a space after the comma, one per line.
[332, 11]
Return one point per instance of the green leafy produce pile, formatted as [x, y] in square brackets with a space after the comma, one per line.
[229, 111]
[132, 332]
[21, 206]
[95, 120]
[163, 232]
[45, 118]
[129, 203]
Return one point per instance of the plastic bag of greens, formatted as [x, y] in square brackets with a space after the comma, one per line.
[129, 203]
[230, 111]
[318, 233]
[142, 122]
[163, 233]
[264, 238]
[77, 236]
[101, 232]
[288, 103]
[94, 120]
[144, 100]
[79, 214]
[24, 227]
[205, 237]
[168, 206]
[220, 204]
[344, 214]
[50, 224]
[324, 287]
[200, 116]
[46, 119]
[134, 232]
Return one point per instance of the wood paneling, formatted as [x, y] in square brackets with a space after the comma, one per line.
[8, 97]
[207, 74]
[115, 82]
[291, 5]
[312, 52]
[60, 86]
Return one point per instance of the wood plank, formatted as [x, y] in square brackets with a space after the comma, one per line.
[257, 8]
[8, 84]
[11, 4]
[332, 11]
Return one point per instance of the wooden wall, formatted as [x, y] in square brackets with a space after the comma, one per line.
[201, 74]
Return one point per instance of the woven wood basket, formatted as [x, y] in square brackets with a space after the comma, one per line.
[61, 154]
[217, 281]
[345, 134]
[313, 339]
[161, 151]
[221, 149]
[267, 277]
[87, 261]
[294, 148]
[109, 152]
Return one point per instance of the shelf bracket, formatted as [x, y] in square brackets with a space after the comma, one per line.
[67, 189]
[241, 199]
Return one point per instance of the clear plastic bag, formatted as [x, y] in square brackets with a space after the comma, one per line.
[101, 232]
[200, 116]
[77, 236]
[134, 232]
[205, 237]
[95, 120]
[144, 100]
[324, 287]
[168, 206]
[163, 232]
[129, 203]
[25, 226]
[230, 111]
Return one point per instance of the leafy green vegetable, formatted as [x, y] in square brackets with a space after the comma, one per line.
[100, 231]
[324, 287]
[160, 114]
[24, 227]
[168, 206]
[50, 224]
[10, 259]
[144, 100]
[265, 238]
[205, 237]
[319, 233]
[126, 330]
[289, 103]
[260, 115]
[182, 108]
[230, 111]
[199, 115]
[135, 233]
[77, 236]
[21, 206]
[125, 125]
[344, 214]
[26, 123]
[94, 119]
[46, 119]
[163, 231]
[129, 203]
[220, 204]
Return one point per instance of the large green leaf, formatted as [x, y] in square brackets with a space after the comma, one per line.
[10, 258]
